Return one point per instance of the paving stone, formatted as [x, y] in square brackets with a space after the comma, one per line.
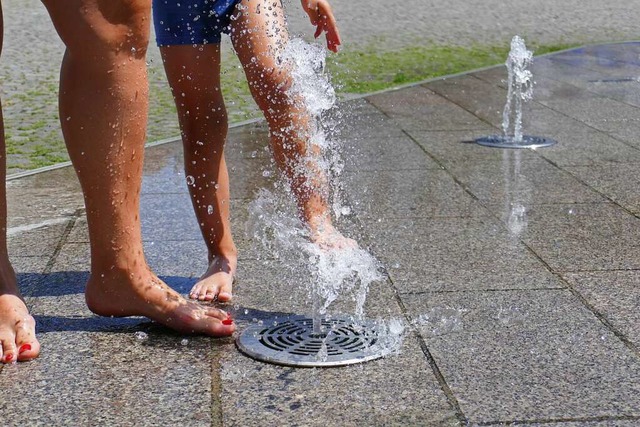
[615, 294]
[381, 153]
[257, 394]
[96, 372]
[38, 241]
[527, 355]
[619, 182]
[587, 237]
[585, 146]
[41, 198]
[452, 254]
[418, 108]
[526, 182]
[421, 193]
[603, 114]
[359, 120]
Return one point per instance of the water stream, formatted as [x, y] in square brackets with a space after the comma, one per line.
[520, 81]
[273, 218]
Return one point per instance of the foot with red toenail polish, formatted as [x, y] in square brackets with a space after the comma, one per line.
[17, 326]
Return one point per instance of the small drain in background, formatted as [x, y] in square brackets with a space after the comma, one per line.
[528, 141]
[292, 342]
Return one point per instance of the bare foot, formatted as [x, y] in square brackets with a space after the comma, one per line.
[17, 327]
[141, 293]
[217, 282]
[327, 237]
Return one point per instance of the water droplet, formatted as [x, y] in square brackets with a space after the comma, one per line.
[141, 336]
[191, 180]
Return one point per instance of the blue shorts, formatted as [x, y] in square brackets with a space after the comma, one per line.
[180, 22]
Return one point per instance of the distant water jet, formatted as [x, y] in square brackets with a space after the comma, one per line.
[520, 90]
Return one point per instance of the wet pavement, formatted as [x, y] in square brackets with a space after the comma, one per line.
[516, 272]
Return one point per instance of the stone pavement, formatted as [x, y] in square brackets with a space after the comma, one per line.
[516, 272]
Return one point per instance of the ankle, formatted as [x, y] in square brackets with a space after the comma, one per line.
[8, 281]
[227, 252]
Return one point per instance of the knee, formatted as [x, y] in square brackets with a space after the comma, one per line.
[271, 87]
[204, 125]
[124, 29]
[104, 29]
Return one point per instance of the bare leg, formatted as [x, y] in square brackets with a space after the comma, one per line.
[103, 107]
[258, 38]
[193, 73]
[17, 328]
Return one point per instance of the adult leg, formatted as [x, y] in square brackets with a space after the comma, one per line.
[17, 328]
[103, 110]
[259, 39]
[193, 73]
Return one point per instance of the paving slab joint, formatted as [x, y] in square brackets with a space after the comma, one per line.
[63, 239]
[444, 386]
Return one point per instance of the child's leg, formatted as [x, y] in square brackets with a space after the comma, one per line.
[17, 327]
[193, 73]
[258, 38]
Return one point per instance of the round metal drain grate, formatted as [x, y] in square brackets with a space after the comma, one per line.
[292, 342]
[528, 141]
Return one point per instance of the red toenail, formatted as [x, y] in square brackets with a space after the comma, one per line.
[8, 358]
[227, 322]
[24, 347]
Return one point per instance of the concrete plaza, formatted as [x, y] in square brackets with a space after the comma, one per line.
[534, 252]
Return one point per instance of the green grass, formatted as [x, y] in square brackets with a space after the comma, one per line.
[34, 137]
[369, 70]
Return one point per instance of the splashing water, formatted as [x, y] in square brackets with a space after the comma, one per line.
[332, 272]
[520, 80]
[441, 321]
[390, 335]
[273, 217]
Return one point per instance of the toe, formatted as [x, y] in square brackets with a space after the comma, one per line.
[9, 350]
[218, 328]
[196, 291]
[209, 295]
[225, 294]
[27, 345]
